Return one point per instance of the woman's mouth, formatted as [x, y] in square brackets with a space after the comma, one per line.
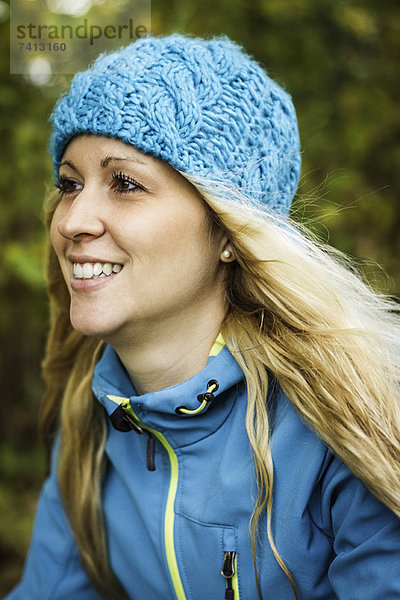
[90, 270]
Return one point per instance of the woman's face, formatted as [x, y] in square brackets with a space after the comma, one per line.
[133, 240]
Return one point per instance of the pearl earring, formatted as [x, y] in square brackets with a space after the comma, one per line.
[227, 254]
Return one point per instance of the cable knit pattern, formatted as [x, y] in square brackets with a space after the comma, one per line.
[204, 106]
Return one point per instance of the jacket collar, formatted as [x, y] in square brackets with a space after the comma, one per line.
[158, 409]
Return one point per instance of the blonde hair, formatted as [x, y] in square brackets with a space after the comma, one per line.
[296, 308]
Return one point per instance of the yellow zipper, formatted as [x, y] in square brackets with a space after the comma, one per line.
[229, 572]
[169, 510]
[235, 581]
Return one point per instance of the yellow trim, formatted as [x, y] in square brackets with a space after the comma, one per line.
[169, 510]
[217, 345]
[170, 518]
[120, 400]
[235, 580]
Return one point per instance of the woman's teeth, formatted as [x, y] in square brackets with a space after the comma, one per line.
[90, 270]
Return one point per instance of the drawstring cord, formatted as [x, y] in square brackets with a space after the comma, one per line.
[204, 399]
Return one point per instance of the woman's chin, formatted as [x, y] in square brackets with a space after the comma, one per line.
[94, 327]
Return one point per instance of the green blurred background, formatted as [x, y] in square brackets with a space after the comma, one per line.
[340, 61]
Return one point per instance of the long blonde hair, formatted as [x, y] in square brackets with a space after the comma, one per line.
[295, 307]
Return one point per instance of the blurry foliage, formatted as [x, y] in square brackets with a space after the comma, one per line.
[339, 60]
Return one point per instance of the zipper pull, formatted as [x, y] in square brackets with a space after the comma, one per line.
[133, 424]
[122, 421]
[228, 571]
[150, 451]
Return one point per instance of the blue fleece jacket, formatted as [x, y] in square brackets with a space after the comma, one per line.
[171, 529]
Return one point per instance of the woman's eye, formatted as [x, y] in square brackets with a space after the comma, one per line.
[67, 186]
[121, 184]
[124, 184]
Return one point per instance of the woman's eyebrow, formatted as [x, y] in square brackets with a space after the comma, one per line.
[69, 164]
[107, 159]
[104, 161]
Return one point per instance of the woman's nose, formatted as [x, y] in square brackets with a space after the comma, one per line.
[83, 218]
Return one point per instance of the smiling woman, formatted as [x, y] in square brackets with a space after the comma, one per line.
[140, 257]
[222, 403]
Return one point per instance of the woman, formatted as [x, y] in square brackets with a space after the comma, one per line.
[222, 391]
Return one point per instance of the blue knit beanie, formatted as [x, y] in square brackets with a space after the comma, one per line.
[204, 106]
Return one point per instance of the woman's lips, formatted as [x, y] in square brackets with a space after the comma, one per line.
[94, 283]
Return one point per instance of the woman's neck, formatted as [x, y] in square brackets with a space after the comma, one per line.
[169, 353]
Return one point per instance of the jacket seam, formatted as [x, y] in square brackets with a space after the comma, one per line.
[328, 457]
[58, 583]
[217, 525]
